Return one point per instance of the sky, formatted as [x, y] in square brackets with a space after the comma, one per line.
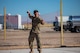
[70, 7]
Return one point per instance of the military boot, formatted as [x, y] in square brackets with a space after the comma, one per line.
[39, 51]
[31, 51]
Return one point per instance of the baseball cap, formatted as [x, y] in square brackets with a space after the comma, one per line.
[35, 11]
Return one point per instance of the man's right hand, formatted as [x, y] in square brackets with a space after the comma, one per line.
[28, 12]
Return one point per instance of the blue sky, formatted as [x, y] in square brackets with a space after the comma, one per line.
[44, 6]
[21, 6]
[70, 7]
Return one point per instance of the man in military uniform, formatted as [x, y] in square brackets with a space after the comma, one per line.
[34, 33]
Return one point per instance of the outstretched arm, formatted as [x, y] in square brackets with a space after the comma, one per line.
[30, 16]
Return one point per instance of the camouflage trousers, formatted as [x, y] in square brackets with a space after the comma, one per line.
[31, 38]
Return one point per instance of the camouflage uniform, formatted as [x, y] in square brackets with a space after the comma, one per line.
[34, 33]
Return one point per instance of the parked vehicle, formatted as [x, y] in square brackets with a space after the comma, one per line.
[70, 23]
[57, 25]
[74, 24]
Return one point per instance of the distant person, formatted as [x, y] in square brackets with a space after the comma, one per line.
[34, 33]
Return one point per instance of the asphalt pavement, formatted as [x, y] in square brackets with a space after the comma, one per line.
[47, 50]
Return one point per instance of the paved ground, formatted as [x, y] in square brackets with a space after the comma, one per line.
[48, 37]
[48, 50]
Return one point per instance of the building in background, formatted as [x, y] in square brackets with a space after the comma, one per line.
[0, 26]
[12, 21]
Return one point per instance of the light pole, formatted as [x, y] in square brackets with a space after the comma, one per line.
[61, 22]
[27, 22]
[4, 23]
